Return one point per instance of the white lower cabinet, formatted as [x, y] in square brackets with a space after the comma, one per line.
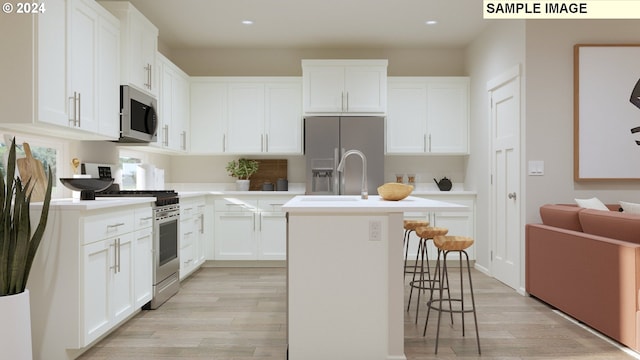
[250, 228]
[108, 284]
[460, 223]
[193, 236]
[92, 272]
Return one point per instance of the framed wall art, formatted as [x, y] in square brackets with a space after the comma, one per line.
[606, 112]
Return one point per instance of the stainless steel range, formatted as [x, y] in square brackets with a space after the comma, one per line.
[166, 230]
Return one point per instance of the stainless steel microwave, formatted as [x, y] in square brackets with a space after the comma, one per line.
[138, 117]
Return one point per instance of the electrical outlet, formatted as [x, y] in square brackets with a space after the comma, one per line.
[375, 230]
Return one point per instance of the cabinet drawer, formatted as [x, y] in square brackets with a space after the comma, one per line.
[235, 205]
[98, 227]
[143, 218]
[191, 208]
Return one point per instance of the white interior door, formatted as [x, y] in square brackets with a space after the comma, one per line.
[504, 94]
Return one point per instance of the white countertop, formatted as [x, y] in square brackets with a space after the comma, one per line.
[353, 203]
[98, 203]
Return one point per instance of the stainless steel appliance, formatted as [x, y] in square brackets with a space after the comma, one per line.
[166, 230]
[138, 119]
[327, 138]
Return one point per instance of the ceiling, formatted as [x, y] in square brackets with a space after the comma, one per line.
[314, 23]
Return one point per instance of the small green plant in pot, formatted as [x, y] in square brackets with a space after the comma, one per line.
[242, 169]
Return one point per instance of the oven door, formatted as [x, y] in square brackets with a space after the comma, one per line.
[166, 248]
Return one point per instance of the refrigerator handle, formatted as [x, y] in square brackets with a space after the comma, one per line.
[336, 175]
[342, 175]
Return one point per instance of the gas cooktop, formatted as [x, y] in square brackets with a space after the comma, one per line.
[163, 197]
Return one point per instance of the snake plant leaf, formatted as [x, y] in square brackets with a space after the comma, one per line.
[18, 246]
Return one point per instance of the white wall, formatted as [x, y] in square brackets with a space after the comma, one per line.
[549, 127]
[499, 48]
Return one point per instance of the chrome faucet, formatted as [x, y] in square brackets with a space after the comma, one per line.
[364, 192]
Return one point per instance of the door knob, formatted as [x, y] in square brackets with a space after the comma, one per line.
[512, 195]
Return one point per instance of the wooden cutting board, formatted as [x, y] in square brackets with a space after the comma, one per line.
[31, 170]
[269, 170]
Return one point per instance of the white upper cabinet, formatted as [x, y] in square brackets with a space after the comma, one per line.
[246, 115]
[428, 115]
[173, 104]
[59, 70]
[139, 45]
[283, 117]
[208, 116]
[93, 93]
[245, 122]
[344, 86]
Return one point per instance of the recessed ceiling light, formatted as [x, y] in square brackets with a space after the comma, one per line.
[431, 22]
[247, 22]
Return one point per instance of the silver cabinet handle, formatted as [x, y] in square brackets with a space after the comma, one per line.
[347, 101]
[148, 69]
[115, 256]
[79, 113]
[150, 77]
[76, 109]
[224, 142]
[119, 254]
[429, 142]
[183, 138]
[512, 195]
[342, 101]
[262, 142]
[115, 225]
[424, 142]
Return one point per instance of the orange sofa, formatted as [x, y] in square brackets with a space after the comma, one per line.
[586, 263]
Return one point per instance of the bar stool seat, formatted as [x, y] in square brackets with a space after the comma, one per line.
[445, 245]
[409, 227]
[424, 281]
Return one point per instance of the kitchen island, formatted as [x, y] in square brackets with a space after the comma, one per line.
[345, 276]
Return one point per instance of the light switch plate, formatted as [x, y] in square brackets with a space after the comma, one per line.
[536, 168]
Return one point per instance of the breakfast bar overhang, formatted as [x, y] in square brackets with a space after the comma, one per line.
[345, 276]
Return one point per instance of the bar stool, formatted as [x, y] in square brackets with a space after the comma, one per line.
[409, 227]
[425, 233]
[445, 245]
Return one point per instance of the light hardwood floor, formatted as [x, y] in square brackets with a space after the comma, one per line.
[240, 314]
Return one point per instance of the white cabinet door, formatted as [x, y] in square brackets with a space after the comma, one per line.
[138, 48]
[187, 239]
[283, 117]
[272, 244]
[143, 266]
[323, 89]
[173, 103]
[235, 236]
[94, 46]
[108, 87]
[180, 113]
[98, 260]
[208, 112]
[83, 61]
[448, 115]
[52, 68]
[245, 123]
[235, 229]
[122, 299]
[428, 115]
[365, 89]
[201, 234]
[406, 116]
[344, 86]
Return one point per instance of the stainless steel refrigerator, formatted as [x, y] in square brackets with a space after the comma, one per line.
[327, 138]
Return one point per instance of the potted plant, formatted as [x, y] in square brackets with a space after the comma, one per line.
[242, 169]
[18, 246]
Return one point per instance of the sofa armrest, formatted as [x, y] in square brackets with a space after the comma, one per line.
[592, 278]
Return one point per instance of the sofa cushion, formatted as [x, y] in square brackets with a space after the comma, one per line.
[630, 208]
[593, 203]
[611, 224]
[561, 216]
